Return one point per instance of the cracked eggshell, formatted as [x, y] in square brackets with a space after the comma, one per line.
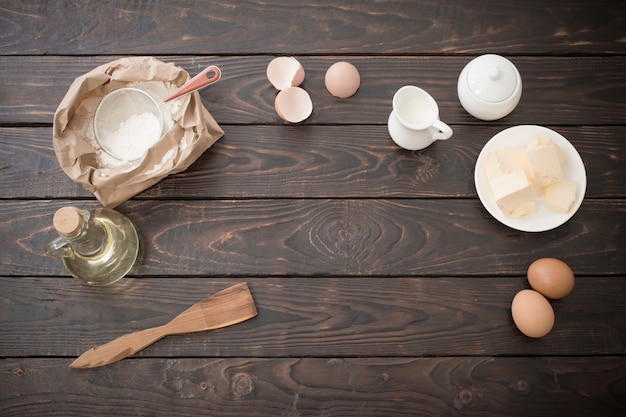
[293, 104]
[284, 72]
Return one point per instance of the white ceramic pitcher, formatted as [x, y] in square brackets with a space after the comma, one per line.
[414, 122]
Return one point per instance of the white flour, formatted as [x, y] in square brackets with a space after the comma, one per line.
[167, 158]
[134, 136]
[106, 161]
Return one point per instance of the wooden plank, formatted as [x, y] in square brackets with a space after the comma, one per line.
[345, 317]
[383, 286]
[252, 27]
[326, 162]
[482, 386]
[327, 237]
[556, 90]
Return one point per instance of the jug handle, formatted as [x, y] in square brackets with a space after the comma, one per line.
[59, 248]
[445, 131]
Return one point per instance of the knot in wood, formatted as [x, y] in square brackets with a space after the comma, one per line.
[241, 385]
[466, 397]
[18, 372]
[521, 386]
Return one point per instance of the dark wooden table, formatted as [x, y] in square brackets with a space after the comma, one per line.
[383, 286]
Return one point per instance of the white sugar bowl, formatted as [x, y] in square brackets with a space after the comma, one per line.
[489, 87]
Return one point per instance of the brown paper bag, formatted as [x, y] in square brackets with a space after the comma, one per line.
[189, 130]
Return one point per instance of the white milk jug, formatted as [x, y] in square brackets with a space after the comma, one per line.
[414, 122]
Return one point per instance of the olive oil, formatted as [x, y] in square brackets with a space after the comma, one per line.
[96, 249]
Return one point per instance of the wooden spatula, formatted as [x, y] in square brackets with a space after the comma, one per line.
[230, 306]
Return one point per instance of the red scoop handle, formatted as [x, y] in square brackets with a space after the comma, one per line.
[199, 81]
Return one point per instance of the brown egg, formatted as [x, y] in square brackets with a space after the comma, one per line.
[532, 313]
[342, 79]
[551, 277]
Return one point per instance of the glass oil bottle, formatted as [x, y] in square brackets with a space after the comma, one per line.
[97, 248]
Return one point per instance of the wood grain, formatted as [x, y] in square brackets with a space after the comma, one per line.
[383, 287]
[328, 237]
[481, 386]
[329, 162]
[231, 27]
[313, 317]
[576, 90]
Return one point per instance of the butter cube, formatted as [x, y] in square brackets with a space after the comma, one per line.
[504, 161]
[514, 194]
[492, 166]
[524, 209]
[511, 159]
[543, 140]
[560, 196]
[544, 162]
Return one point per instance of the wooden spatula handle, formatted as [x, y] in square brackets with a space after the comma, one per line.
[118, 349]
[227, 307]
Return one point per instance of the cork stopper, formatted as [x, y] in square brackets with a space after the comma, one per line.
[67, 220]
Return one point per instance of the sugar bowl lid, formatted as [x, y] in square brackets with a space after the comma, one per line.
[492, 78]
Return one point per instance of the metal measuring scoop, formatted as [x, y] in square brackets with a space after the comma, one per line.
[120, 105]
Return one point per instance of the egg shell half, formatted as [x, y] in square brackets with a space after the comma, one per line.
[293, 104]
[284, 72]
[342, 79]
[551, 277]
[532, 313]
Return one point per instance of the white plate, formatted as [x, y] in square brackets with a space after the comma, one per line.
[543, 218]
